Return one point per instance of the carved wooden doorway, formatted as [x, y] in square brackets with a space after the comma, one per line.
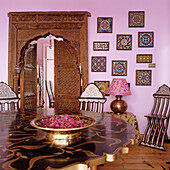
[27, 26]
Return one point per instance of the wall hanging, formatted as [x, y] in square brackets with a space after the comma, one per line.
[144, 58]
[119, 68]
[98, 64]
[100, 46]
[145, 39]
[136, 18]
[143, 77]
[124, 42]
[104, 24]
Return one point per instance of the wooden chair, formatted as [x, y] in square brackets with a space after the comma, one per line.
[8, 98]
[92, 99]
[50, 93]
[158, 120]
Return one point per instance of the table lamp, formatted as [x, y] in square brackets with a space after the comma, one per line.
[119, 88]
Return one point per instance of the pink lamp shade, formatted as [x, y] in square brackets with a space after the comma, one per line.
[119, 87]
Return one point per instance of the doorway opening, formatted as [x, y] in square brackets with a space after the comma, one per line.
[45, 70]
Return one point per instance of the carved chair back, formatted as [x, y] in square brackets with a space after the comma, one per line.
[158, 119]
[161, 105]
[92, 99]
[8, 98]
[50, 93]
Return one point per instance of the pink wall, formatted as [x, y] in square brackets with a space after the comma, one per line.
[157, 16]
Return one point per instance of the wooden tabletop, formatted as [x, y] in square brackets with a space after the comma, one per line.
[24, 147]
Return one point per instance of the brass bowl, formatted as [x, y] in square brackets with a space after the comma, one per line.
[63, 137]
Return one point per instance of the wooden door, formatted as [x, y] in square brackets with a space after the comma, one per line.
[28, 79]
[66, 78]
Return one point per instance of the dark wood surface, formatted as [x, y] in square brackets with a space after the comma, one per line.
[24, 147]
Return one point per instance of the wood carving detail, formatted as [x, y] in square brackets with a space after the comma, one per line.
[66, 105]
[6, 91]
[73, 18]
[76, 45]
[163, 90]
[29, 103]
[49, 17]
[25, 27]
[7, 96]
[24, 18]
[49, 26]
[92, 91]
[68, 79]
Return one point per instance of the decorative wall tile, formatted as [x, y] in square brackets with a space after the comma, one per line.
[104, 24]
[101, 46]
[136, 18]
[144, 58]
[145, 39]
[103, 86]
[153, 65]
[143, 77]
[98, 64]
[119, 68]
[124, 42]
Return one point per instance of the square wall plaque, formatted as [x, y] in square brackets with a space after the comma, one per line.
[143, 77]
[98, 64]
[119, 68]
[136, 18]
[101, 46]
[103, 86]
[104, 24]
[124, 42]
[145, 39]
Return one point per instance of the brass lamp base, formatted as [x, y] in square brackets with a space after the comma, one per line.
[118, 106]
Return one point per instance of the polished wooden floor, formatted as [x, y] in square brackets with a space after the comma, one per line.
[141, 157]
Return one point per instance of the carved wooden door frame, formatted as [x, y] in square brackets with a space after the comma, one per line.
[27, 26]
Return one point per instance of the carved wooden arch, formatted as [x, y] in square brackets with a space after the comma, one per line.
[24, 48]
[25, 26]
